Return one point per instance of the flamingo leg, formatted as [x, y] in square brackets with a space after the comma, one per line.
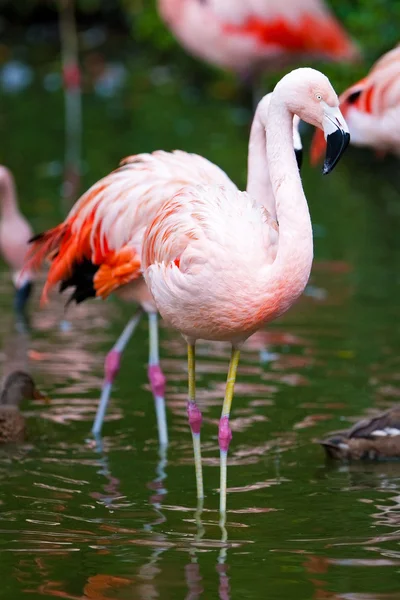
[21, 297]
[225, 433]
[157, 380]
[195, 419]
[111, 367]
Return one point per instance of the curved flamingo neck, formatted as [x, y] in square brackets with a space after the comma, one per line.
[8, 199]
[258, 179]
[290, 271]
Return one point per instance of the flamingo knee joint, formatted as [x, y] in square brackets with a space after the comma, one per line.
[224, 434]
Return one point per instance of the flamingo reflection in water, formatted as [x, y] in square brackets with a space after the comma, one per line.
[149, 570]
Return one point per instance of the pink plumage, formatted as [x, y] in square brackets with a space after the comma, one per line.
[246, 36]
[372, 109]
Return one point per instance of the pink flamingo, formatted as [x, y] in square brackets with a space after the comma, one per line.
[15, 233]
[248, 36]
[372, 109]
[218, 264]
[86, 252]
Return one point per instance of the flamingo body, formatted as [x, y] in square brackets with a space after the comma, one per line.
[246, 36]
[372, 109]
[207, 230]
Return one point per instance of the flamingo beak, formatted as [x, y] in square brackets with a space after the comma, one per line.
[336, 134]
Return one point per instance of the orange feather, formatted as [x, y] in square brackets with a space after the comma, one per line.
[119, 269]
[308, 34]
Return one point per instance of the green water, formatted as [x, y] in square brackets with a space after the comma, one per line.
[118, 522]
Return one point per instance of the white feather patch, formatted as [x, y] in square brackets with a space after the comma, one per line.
[387, 432]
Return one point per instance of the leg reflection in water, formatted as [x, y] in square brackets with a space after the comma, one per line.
[149, 571]
[111, 488]
[192, 570]
[224, 590]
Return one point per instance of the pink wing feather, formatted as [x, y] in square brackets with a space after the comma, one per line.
[107, 224]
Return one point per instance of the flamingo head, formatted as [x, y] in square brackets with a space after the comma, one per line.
[310, 95]
[348, 99]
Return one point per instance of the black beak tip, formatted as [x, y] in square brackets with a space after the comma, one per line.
[327, 168]
[299, 157]
[337, 143]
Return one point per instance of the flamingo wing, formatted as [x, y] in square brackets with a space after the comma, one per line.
[200, 224]
[196, 255]
[97, 248]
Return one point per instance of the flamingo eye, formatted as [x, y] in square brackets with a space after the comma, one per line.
[318, 96]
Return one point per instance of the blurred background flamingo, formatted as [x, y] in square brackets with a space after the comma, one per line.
[15, 232]
[372, 109]
[252, 36]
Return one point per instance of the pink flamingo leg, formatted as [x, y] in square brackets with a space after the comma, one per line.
[225, 432]
[111, 368]
[195, 420]
[157, 380]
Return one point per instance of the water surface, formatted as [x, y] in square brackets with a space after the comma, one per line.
[119, 521]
